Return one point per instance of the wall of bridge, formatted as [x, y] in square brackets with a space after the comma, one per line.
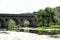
[18, 20]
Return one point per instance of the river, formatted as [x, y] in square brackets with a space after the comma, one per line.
[12, 35]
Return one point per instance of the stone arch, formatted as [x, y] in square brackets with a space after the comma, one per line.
[16, 20]
[2, 23]
[26, 23]
[30, 22]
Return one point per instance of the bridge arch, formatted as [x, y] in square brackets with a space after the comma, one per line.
[18, 18]
[15, 20]
[26, 23]
[31, 22]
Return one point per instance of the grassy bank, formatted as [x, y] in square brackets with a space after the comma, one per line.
[50, 27]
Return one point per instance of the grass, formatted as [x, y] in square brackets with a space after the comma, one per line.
[50, 27]
[54, 27]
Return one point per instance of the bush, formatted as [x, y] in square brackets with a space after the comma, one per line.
[15, 27]
[43, 32]
[26, 23]
[12, 25]
[48, 32]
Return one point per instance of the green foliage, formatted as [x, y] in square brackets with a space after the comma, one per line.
[47, 17]
[42, 27]
[12, 25]
[58, 22]
[42, 32]
[48, 32]
[50, 27]
[54, 27]
[51, 15]
[26, 23]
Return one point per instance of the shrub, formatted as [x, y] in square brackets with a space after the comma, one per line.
[26, 23]
[12, 25]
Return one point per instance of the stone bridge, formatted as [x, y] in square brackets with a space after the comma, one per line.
[18, 18]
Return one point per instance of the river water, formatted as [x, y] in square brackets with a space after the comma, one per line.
[12, 35]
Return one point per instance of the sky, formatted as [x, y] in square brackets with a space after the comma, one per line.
[26, 6]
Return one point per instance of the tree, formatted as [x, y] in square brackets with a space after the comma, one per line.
[47, 16]
[12, 25]
[51, 14]
[40, 17]
[26, 23]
